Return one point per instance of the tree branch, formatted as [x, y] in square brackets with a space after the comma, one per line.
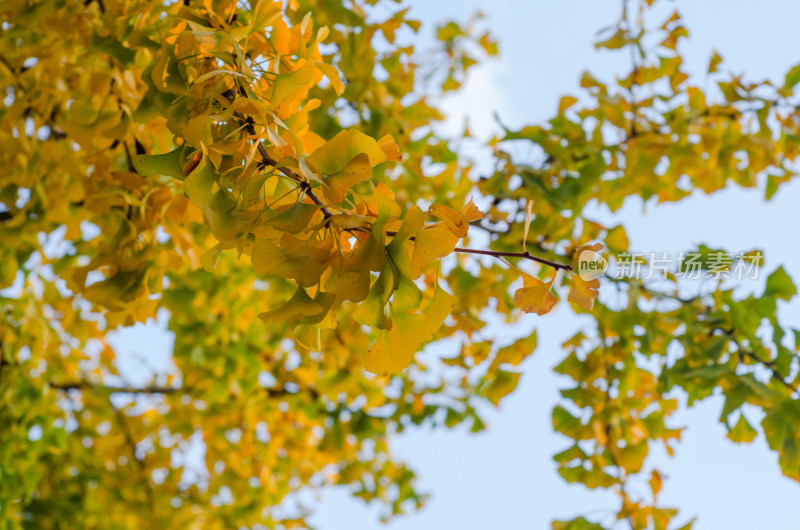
[750, 354]
[502, 254]
[524, 255]
[149, 390]
[229, 95]
[86, 385]
[268, 160]
[769, 365]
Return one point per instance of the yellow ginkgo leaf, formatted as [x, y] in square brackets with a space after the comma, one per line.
[307, 172]
[583, 292]
[302, 260]
[356, 170]
[293, 83]
[534, 296]
[292, 219]
[594, 247]
[332, 73]
[389, 146]
[431, 243]
[393, 350]
[454, 220]
[342, 148]
[471, 212]
[350, 285]
[300, 305]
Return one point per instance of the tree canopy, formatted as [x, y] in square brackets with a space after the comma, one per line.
[269, 175]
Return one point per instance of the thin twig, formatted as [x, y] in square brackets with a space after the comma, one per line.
[86, 385]
[750, 354]
[147, 390]
[268, 160]
[502, 254]
[524, 255]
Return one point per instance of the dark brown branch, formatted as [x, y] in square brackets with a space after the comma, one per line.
[524, 255]
[488, 229]
[744, 352]
[150, 390]
[85, 385]
[769, 365]
[501, 254]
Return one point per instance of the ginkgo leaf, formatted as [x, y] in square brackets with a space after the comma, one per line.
[594, 247]
[337, 184]
[583, 292]
[332, 73]
[383, 203]
[714, 62]
[227, 225]
[294, 219]
[292, 83]
[169, 164]
[407, 295]
[455, 220]
[166, 76]
[471, 212]
[348, 221]
[210, 258]
[742, 432]
[617, 239]
[224, 71]
[299, 305]
[373, 311]
[503, 383]
[535, 296]
[263, 15]
[199, 184]
[389, 146]
[368, 255]
[565, 103]
[308, 173]
[431, 243]
[116, 291]
[342, 148]
[302, 260]
[350, 285]
[394, 348]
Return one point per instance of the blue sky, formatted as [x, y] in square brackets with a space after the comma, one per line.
[505, 478]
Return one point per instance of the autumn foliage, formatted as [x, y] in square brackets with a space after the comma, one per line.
[268, 176]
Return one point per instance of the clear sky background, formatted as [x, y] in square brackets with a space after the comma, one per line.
[505, 478]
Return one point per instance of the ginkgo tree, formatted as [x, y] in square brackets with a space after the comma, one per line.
[269, 176]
